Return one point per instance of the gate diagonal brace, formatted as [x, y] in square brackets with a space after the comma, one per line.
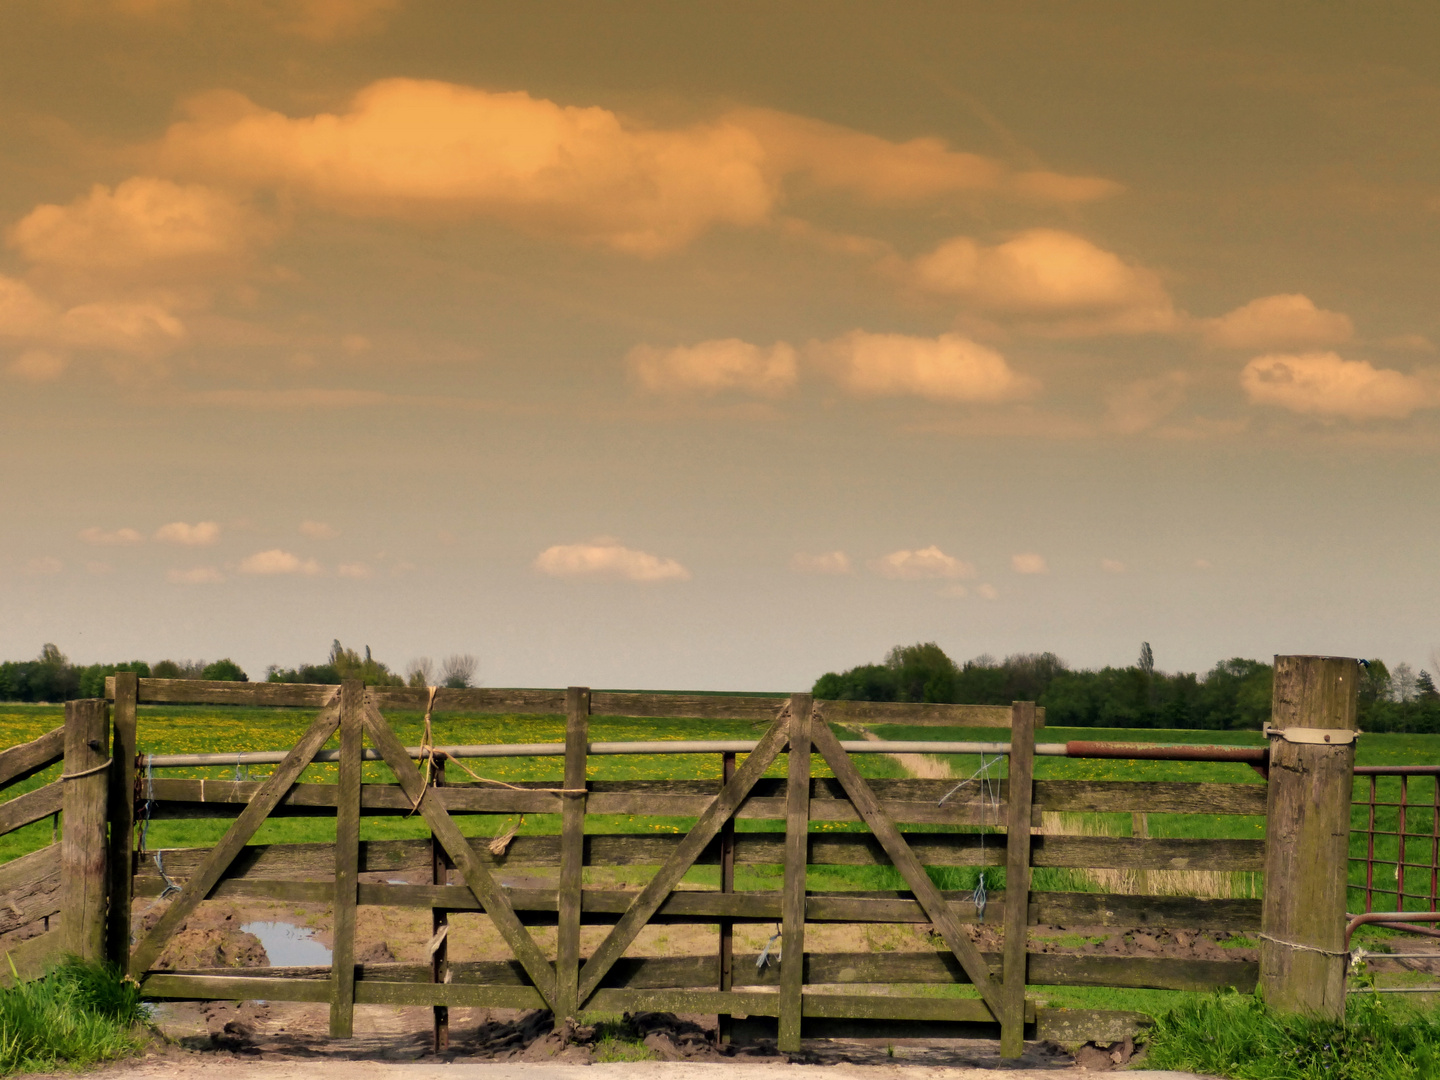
[720, 810]
[490, 895]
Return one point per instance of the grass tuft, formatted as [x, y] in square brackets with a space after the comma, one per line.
[74, 1017]
[1237, 1037]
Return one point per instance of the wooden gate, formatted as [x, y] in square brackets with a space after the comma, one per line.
[906, 825]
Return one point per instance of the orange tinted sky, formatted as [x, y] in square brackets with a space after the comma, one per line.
[668, 346]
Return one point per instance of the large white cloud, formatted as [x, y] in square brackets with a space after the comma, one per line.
[605, 558]
[930, 562]
[1289, 319]
[944, 368]
[1057, 280]
[1325, 384]
[712, 366]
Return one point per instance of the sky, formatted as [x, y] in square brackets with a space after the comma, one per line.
[714, 347]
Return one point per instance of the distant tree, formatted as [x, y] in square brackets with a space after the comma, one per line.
[458, 670]
[420, 672]
[224, 670]
[1425, 687]
[342, 664]
[1403, 683]
[1374, 682]
[1147, 658]
[167, 669]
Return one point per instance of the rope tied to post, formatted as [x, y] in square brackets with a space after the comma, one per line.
[1302, 948]
[87, 772]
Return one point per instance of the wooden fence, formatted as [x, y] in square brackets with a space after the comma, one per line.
[825, 994]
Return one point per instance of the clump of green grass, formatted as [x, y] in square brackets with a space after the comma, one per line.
[615, 1040]
[1236, 1036]
[77, 1015]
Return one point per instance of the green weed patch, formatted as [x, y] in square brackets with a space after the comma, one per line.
[76, 1016]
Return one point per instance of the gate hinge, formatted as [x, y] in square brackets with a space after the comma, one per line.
[1313, 735]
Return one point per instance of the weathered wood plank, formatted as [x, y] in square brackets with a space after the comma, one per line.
[439, 926]
[681, 858]
[214, 692]
[726, 927]
[347, 859]
[1109, 909]
[218, 859]
[233, 988]
[471, 868]
[1123, 852]
[1153, 797]
[909, 714]
[906, 861]
[1017, 877]
[120, 859]
[572, 856]
[32, 957]
[24, 761]
[29, 888]
[83, 837]
[686, 1001]
[447, 995]
[1142, 972]
[792, 891]
[32, 806]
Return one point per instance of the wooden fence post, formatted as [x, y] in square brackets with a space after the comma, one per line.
[83, 842]
[440, 864]
[1019, 792]
[1307, 835]
[797, 856]
[572, 859]
[347, 860]
[122, 820]
[724, 1023]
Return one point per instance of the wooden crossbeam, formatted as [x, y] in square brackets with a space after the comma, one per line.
[909, 866]
[720, 810]
[491, 897]
[235, 839]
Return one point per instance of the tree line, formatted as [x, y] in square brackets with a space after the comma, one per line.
[51, 677]
[1232, 695]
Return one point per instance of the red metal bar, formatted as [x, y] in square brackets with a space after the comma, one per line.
[1397, 770]
[1250, 755]
[1370, 853]
[1400, 870]
[1390, 919]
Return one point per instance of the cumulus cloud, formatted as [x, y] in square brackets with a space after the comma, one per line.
[45, 564]
[713, 366]
[882, 171]
[1059, 281]
[121, 326]
[944, 368]
[102, 537]
[199, 575]
[1277, 321]
[356, 570]
[928, 562]
[318, 530]
[1324, 384]
[1112, 566]
[276, 561]
[826, 562]
[605, 558]
[141, 222]
[201, 534]
[1029, 562]
[408, 148]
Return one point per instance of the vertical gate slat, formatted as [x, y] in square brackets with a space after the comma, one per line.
[1017, 877]
[572, 856]
[797, 851]
[347, 861]
[439, 921]
[723, 1023]
[122, 818]
[82, 839]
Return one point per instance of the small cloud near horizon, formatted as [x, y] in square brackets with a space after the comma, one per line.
[103, 538]
[926, 563]
[318, 530]
[1028, 562]
[201, 534]
[199, 575]
[276, 561]
[606, 558]
[827, 562]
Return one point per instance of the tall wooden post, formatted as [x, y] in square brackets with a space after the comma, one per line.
[83, 842]
[122, 820]
[797, 856]
[572, 858]
[724, 1023]
[1307, 834]
[347, 860]
[1019, 790]
[439, 925]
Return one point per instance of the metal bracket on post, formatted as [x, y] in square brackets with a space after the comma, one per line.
[1312, 736]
